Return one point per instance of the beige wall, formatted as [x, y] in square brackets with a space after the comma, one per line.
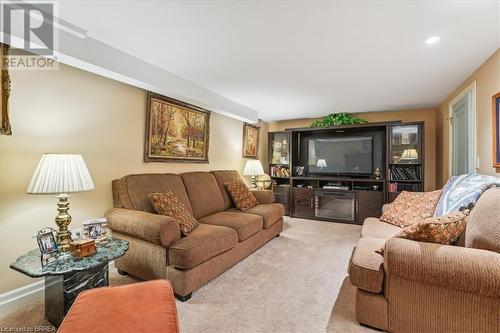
[426, 115]
[487, 78]
[72, 111]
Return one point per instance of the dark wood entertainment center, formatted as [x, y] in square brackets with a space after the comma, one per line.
[397, 149]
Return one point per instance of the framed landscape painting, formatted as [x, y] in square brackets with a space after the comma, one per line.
[496, 130]
[250, 140]
[175, 131]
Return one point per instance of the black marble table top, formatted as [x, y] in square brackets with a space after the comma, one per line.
[31, 265]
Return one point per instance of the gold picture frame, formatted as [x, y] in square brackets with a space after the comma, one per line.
[495, 101]
[250, 147]
[175, 131]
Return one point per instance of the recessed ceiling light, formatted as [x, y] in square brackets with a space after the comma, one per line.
[432, 40]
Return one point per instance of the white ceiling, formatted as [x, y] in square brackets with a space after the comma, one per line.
[294, 59]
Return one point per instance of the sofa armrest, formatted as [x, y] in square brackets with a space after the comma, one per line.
[447, 266]
[385, 207]
[154, 228]
[263, 196]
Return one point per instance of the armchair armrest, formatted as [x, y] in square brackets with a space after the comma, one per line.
[154, 228]
[263, 196]
[454, 267]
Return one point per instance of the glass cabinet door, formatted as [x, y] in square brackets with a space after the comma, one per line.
[405, 145]
[280, 148]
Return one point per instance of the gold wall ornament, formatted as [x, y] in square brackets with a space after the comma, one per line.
[6, 128]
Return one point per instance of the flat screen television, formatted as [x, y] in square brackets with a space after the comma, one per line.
[340, 156]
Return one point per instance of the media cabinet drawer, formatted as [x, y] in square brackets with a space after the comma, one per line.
[303, 202]
[369, 204]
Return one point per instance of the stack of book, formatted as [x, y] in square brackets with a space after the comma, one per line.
[404, 173]
[280, 171]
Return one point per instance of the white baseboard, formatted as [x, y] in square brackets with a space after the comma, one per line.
[18, 298]
[21, 297]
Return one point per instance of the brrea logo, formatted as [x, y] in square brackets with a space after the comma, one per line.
[29, 30]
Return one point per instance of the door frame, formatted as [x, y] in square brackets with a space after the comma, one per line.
[472, 164]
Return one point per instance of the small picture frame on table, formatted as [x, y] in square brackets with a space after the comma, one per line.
[46, 240]
[96, 230]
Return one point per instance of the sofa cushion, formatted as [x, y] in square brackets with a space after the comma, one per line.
[131, 192]
[442, 230]
[373, 227]
[483, 226]
[168, 204]
[269, 212]
[411, 207]
[245, 225]
[241, 195]
[366, 267]
[226, 176]
[204, 193]
[203, 243]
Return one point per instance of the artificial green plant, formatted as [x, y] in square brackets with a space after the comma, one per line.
[336, 119]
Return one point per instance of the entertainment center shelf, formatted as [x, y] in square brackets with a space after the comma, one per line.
[345, 173]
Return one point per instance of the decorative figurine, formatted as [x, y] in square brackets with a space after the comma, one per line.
[299, 171]
[377, 173]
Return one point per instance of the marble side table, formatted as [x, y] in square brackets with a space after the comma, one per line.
[66, 277]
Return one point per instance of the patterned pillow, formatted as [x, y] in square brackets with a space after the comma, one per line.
[441, 230]
[411, 207]
[168, 204]
[241, 195]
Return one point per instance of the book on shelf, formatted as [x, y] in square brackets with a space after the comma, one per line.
[279, 171]
[404, 173]
[399, 187]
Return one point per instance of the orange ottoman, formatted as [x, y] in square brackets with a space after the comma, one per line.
[139, 307]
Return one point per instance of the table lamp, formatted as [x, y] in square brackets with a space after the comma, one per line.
[409, 155]
[321, 163]
[253, 168]
[61, 174]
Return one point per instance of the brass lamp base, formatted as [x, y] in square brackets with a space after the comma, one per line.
[253, 183]
[63, 219]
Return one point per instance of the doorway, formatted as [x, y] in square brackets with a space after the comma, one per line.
[463, 132]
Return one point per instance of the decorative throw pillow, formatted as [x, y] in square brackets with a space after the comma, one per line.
[411, 207]
[441, 230]
[241, 195]
[168, 204]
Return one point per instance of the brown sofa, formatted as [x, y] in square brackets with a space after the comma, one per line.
[224, 237]
[426, 287]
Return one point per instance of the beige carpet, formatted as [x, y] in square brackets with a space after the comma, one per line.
[295, 283]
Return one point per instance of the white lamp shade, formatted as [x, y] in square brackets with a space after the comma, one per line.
[253, 168]
[321, 163]
[60, 173]
[410, 154]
